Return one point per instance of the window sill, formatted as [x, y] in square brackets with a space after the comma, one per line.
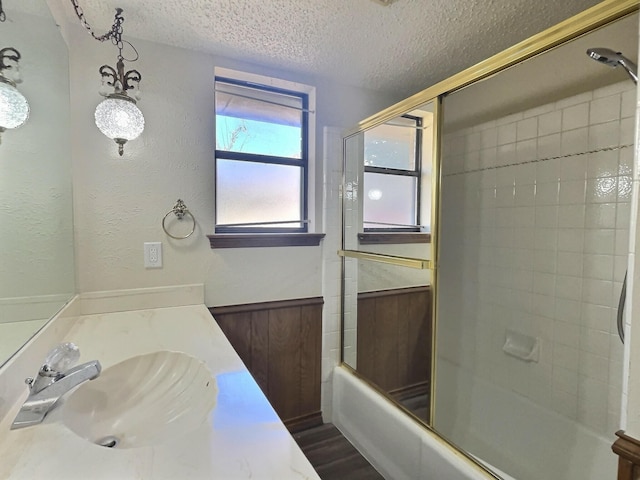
[252, 240]
[384, 238]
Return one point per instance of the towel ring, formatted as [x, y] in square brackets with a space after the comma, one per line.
[180, 210]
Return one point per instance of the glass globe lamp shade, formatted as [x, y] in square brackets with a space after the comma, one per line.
[119, 119]
[14, 108]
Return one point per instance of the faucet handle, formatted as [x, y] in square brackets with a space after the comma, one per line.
[60, 359]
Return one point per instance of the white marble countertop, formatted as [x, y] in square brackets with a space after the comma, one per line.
[242, 437]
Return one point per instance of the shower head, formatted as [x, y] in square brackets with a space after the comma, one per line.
[613, 59]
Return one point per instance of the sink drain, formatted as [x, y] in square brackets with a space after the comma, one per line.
[108, 442]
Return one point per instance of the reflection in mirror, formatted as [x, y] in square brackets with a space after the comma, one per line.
[388, 186]
[387, 336]
[391, 175]
[36, 238]
[536, 176]
[387, 211]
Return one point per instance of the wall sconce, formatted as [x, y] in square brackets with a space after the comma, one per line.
[117, 116]
[14, 108]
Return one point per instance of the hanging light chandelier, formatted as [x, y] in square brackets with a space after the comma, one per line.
[14, 108]
[117, 116]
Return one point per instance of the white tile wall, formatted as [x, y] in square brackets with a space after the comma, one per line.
[534, 239]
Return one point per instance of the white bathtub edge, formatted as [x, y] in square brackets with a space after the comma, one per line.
[394, 444]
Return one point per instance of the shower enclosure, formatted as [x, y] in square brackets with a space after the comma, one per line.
[535, 228]
[530, 238]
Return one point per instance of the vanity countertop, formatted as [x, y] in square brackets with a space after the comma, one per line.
[242, 437]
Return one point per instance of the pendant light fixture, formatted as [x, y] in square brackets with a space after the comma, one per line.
[117, 116]
[14, 108]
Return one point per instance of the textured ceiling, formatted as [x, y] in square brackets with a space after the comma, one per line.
[400, 48]
[560, 72]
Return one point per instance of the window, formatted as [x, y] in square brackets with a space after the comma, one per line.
[261, 157]
[392, 177]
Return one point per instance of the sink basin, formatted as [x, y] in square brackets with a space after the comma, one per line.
[142, 401]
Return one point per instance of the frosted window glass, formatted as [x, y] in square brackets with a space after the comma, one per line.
[250, 192]
[391, 146]
[389, 199]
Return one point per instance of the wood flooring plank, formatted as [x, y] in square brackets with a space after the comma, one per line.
[332, 455]
[313, 436]
[330, 450]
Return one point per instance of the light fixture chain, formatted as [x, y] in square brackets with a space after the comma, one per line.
[3, 16]
[117, 116]
[115, 34]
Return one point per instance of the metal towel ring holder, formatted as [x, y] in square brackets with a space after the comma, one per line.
[180, 210]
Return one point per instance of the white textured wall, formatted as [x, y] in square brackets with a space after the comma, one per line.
[36, 231]
[120, 201]
[535, 226]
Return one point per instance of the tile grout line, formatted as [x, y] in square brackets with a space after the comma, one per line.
[538, 160]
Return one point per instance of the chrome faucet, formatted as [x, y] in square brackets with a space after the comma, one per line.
[52, 382]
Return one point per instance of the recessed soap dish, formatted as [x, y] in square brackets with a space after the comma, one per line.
[524, 347]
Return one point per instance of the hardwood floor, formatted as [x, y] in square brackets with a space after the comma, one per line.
[333, 457]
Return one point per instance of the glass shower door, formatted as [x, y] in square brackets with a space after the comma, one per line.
[535, 207]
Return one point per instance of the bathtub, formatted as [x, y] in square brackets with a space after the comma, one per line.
[402, 450]
[391, 441]
[527, 440]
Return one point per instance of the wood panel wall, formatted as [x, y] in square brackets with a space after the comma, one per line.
[628, 450]
[280, 343]
[394, 338]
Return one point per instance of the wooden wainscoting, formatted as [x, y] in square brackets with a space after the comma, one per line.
[394, 340]
[280, 343]
[628, 450]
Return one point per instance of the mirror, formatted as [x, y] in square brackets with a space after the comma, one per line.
[388, 330]
[36, 238]
[388, 179]
[387, 212]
